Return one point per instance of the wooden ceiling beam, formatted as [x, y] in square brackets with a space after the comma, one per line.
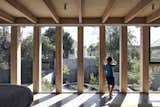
[154, 16]
[107, 10]
[6, 17]
[74, 21]
[132, 14]
[20, 7]
[52, 10]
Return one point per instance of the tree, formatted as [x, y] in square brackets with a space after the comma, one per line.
[67, 44]
[67, 41]
[112, 43]
[5, 53]
[27, 59]
[48, 52]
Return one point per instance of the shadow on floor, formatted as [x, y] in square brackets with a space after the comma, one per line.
[118, 100]
[144, 100]
[43, 99]
[96, 100]
[63, 101]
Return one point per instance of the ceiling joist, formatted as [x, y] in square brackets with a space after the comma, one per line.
[6, 17]
[132, 14]
[107, 11]
[23, 10]
[52, 10]
[154, 16]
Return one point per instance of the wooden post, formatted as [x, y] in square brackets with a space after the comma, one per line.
[59, 78]
[80, 60]
[37, 60]
[15, 55]
[144, 59]
[102, 79]
[123, 59]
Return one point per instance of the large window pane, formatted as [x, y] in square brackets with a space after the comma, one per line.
[112, 49]
[5, 41]
[26, 35]
[48, 58]
[69, 59]
[91, 58]
[154, 44]
[133, 58]
[154, 78]
[154, 71]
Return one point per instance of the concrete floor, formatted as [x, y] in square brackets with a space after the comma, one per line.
[97, 100]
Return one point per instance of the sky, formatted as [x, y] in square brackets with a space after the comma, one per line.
[91, 33]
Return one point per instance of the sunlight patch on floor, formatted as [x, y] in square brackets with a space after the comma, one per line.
[155, 99]
[52, 100]
[131, 99]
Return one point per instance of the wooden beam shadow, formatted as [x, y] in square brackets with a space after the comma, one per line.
[118, 100]
[144, 100]
[63, 101]
[97, 100]
[40, 100]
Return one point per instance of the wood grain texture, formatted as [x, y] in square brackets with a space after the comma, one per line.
[123, 59]
[80, 60]
[15, 55]
[37, 60]
[144, 59]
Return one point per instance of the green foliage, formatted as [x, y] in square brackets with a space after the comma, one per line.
[4, 49]
[92, 79]
[153, 69]
[112, 44]
[46, 85]
[66, 69]
[134, 71]
[67, 44]
[27, 59]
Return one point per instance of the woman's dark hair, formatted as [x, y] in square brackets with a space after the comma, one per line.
[109, 59]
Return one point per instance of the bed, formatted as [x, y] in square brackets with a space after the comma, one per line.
[15, 96]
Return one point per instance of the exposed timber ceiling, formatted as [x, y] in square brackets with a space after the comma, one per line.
[79, 11]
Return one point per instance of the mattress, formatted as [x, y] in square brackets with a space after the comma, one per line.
[15, 96]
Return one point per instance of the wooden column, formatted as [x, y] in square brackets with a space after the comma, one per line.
[123, 59]
[37, 60]
[102, 79]
[15, 55]
[59, 78]
[144, 59]
[80, 60]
